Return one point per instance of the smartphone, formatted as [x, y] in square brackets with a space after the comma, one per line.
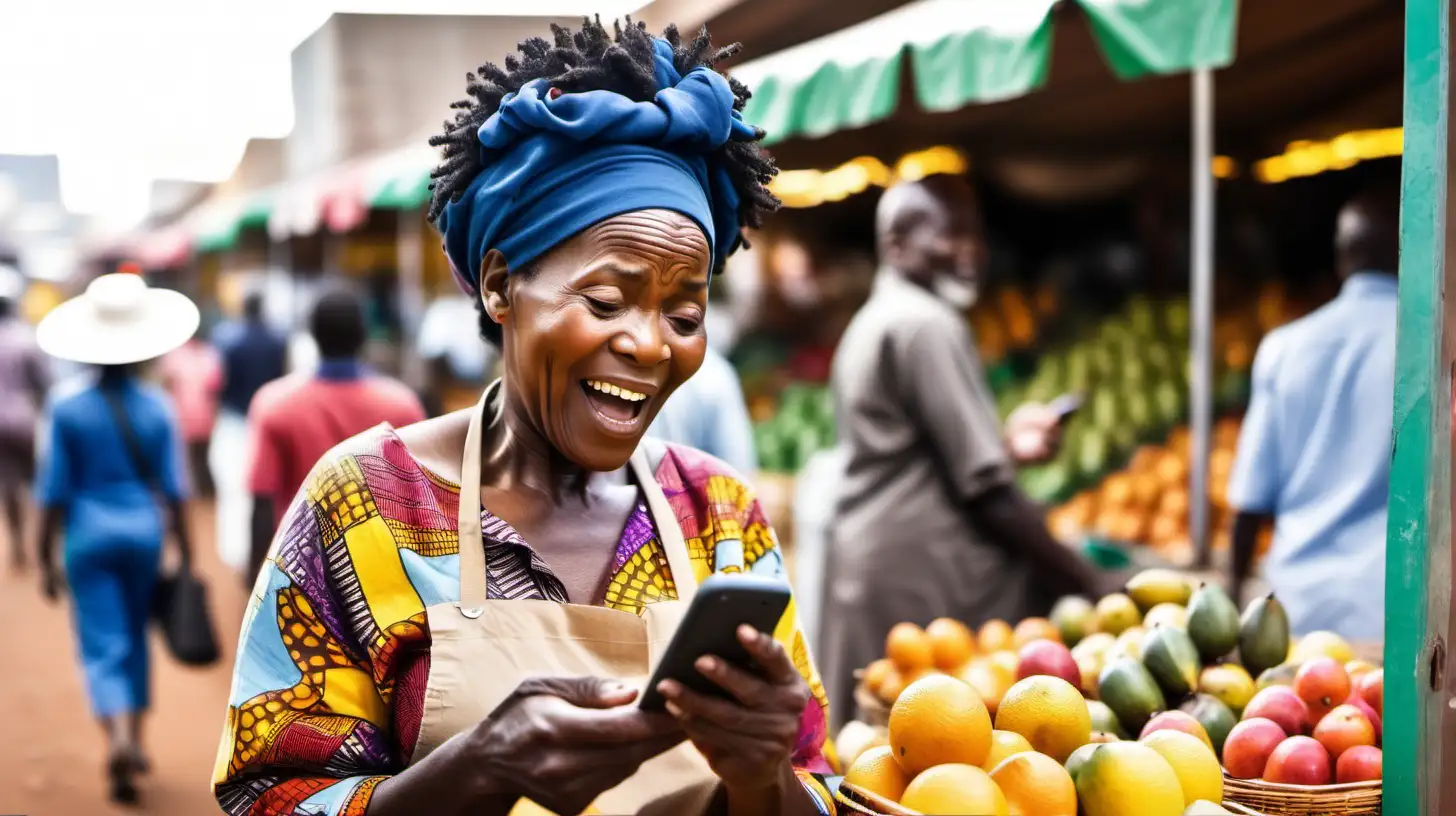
[1065, 405]
[723, 603]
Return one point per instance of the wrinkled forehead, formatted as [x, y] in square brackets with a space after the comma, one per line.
[654, 237]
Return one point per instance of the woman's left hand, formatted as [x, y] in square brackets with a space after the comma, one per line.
[748, 737]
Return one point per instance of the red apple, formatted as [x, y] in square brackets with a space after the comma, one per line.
[1359, 702]
[1249, 744]
[1363, 763]
[1283, 706]
[1322, 684]
[1372, 690]
[1048, 657]
[1343, 729]
[1299, 761]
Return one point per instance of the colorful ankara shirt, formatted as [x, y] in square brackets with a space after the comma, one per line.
[328, 691]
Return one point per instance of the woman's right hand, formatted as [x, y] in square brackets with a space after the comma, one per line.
[562, 741]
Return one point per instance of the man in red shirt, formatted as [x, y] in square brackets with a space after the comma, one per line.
[294, 421]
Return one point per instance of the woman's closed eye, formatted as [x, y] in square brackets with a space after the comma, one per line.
[686, 323]
[603, 305]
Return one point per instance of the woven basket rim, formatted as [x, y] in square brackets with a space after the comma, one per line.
[1281, 787]
[879, 804]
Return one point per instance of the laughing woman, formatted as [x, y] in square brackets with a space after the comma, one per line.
[455, 616]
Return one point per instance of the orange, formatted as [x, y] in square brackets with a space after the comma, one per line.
[1036, 785]
[1035, 629]
[1049, 712]
[955, 788]
[893, 684]
[939, 719]
[876, 674]
[989, 679]
[995, 635]
[951, 643]
[877, 772]
[909, 647]
[1004, 744]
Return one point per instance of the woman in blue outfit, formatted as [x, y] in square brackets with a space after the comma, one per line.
[111, 478]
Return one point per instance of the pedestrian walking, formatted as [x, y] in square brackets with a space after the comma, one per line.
[111, 459]
[296, 420]
[23, 383]
[253, 355]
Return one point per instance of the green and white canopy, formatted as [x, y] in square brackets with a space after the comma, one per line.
[964, 52]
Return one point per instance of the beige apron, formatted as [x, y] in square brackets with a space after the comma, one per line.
[481, 650]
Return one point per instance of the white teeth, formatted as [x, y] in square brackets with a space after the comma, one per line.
[616, 391]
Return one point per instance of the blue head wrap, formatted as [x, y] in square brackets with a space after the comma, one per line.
[553, 167]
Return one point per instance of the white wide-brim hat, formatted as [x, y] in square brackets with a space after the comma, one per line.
[118, 320]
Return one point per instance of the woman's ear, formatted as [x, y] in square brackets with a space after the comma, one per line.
[494, 280]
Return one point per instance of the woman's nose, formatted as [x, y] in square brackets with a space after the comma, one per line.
[642, 341]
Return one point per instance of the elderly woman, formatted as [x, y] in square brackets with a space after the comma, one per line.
[456, 616]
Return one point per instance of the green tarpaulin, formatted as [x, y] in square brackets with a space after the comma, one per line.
[966, 52]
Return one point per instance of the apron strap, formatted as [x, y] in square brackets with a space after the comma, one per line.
[472, 540]
[669, 529]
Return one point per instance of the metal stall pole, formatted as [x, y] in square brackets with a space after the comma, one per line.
[1201, 345]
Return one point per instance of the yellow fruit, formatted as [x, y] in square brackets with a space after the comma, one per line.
[1321, 644]
[1035, 629]
[876, 674]
[891, 687]
[938, 720]
[1116, 614]
[1128, 779]
[1004, 744]
[955, 788]
[1007, 660]
[1193, 762]
[994, 636]
[989, 680]
[877, 771]
[1049, 712]
[1166, 614]
[1129, 644]
[909, 647]
[1204, 807]
[1230, 683]
[1036, 785]
[951, 643]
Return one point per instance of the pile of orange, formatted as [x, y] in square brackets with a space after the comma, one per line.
[986, 659]
[944, 756]
[1147, 502]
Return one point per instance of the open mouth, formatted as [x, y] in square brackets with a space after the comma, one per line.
[620, 407]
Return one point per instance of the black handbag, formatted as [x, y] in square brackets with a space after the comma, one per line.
[179, 602]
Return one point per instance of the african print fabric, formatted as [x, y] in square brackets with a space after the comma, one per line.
[328, 689]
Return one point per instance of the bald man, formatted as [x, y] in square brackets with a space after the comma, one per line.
[1314, 452]
[929, 521]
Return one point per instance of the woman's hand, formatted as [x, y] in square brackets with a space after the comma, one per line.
[1033, 432]
[562, 741]
[749, 738]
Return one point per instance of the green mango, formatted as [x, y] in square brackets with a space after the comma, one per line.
[1078, 760]
[1131, 692]
[1215, 717]
[1281, 675]
[1213, 622]
[1172, 660]
[1104, 720]
[1263, 635]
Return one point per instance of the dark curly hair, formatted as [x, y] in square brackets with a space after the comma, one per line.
[592, 59]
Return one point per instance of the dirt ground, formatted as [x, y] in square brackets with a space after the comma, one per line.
[52, 752]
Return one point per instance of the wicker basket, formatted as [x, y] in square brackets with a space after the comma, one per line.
[863, 803]
[1273, 799]
[868, 708]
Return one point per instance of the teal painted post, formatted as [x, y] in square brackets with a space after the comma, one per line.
[1418, 556]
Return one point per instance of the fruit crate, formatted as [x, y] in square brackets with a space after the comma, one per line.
[1273, 799]
[869, 709]
[863, 803]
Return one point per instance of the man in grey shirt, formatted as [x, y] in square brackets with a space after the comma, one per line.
[929, 521]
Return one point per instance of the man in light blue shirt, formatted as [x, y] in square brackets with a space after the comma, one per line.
[1314, 452]
[708, 412]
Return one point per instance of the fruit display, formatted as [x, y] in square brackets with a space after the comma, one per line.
[801, 425]
[1147, 501]
[1148, 701]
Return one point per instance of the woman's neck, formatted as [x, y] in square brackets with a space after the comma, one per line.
[516, 455]
[113, 376]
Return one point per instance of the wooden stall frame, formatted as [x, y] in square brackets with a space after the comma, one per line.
[1418, 551]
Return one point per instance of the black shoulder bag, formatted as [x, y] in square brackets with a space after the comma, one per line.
[179, 604]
